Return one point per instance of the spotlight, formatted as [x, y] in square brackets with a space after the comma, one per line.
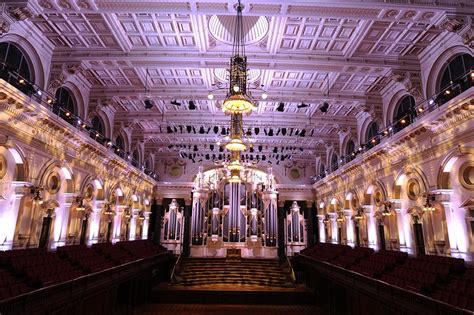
[175, 102]
[210, 96]
[281, 107]
[447, 92]
[192, 105]
[403, 121]
[420, 109]
[302, 105]
[264, 95]
[148, 104]
[431, 102]
[39, 93]
[49, 101]
[22, 81]
[68, 114]
[324, 108]
[236, 88]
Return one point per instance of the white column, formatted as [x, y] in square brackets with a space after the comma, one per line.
[9, 209]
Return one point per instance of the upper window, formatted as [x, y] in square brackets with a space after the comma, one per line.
[98, 125]
[322, 170]
[334, 162]
[135, 158]
[405, 112]
[12, 58]
[372, 131]
[350, 147]
[119, 143]
[455, 78]
[65, 100]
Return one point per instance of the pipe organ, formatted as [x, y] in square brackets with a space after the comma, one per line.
[230, 214]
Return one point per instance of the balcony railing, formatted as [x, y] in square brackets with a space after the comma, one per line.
[50, 102]
[420, 110]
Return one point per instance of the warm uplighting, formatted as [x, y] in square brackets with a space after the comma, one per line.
[428, 206]
[237, 104]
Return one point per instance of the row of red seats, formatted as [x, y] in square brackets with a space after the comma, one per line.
[87, 259]
[140, 248]
[454, 264]
[15, 289]
[458, 299]
[114, 253]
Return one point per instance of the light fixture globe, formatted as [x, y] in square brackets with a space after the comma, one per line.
[236, 144]
[238, 104]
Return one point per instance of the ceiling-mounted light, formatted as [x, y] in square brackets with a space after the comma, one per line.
[148, 104]
[324, 108]
[264, 95]
[302, 105]
[281, 107]
[210, 96]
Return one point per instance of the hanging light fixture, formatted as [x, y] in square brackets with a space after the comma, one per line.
[428, 206]
[387, 208]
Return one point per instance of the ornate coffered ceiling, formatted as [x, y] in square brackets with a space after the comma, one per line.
[339, 51]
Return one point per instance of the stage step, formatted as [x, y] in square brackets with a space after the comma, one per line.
[251, 272]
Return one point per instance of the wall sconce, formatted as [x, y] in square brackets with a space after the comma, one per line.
[387, 208]
[108, 210]
[340, 216]
[359, 214]
[36, 192]
[428, 206]
[80, 201]
[326, 219]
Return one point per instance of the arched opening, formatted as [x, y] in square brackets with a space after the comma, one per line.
[322, 170]
[135, 158]
[65, 105]
[455, 78]
[371, 138]
[334, 162]
[15, 67]
[350, 150]
[405, 113]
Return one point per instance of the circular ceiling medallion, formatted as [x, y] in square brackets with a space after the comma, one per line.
[413, 189]
[89, 192]
[295, 174]
[466, 175]
[176, 171]
[53, 183]
[3, 166]
[255, 28]
[378, 197]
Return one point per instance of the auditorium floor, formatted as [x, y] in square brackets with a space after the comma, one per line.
[211, 309]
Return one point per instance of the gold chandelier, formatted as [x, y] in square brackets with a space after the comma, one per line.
[237, 102]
